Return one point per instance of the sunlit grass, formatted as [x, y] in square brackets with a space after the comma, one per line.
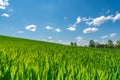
[22, 59]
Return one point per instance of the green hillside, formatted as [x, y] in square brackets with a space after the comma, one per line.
[22, 59]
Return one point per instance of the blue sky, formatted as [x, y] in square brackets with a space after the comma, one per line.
[61, 21]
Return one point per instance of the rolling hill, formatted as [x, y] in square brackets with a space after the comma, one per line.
[24, 59]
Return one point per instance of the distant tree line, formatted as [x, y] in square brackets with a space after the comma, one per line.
[73, 44]
[94, 44]
[109, 44]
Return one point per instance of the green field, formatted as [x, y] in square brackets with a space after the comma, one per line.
[22, 59]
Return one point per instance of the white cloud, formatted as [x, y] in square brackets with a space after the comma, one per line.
[97, 21]
[87, 19]
[49, 27]
[79, 42]
[59, 41]
[31, 27]
[78, 20]
[71, 28]
[79, 38]
[20, 32]
[49, 37]
[63, 42]
[117, 17]
[113, 34]
[58, 30]
[82, 43]
[110, 17]
[66, 43]
[104, 37]
[5, 15]
[89, 30]
[3, 4]
[109, 36]
[100, 20]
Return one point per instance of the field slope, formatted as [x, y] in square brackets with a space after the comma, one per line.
[22, 59]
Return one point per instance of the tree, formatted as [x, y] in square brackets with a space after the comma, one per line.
[117, 44]
[102, 45]
[110, 43]
[106, 46]
[97, 45]
[75, 44]
[91, 43]
[71, 43]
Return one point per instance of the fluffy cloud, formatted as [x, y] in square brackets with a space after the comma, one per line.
[49, 27]
[49, 37]
[89, 30]
[5, 15]
[81, 41]
[113, 34]
[110, 17]
[104, 37]
[31, 27]
[117, 17]
[58, 30]
[109, 36]
[100, 20]
[79, 38]
[71, 28]
[63, 42]
[78, 20]
[97, 21]
[3, 4]
[87, 19]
